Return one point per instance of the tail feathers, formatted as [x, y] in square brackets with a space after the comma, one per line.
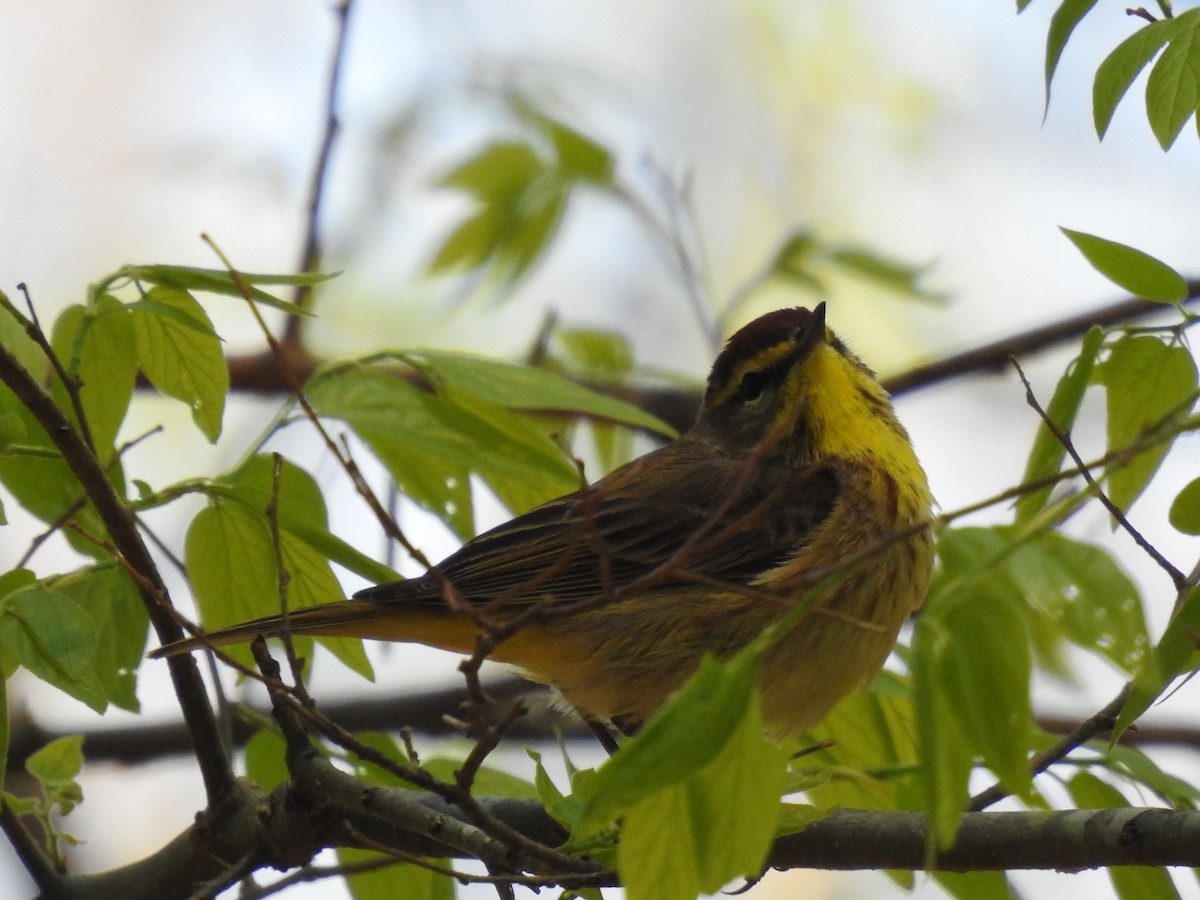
[347, 618]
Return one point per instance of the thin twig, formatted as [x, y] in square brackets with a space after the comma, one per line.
[1176, 576]
[310, 257]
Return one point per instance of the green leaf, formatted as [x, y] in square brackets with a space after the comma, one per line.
[891, 274]
[266, 758]
[489, 782]
[1173, 88]
[412, 882]
[1069, 14]
[1046, 457]
[972, 663]
[529, 227]
[470, 244]
[219, 281]
[111, 600]
[1185, 509]
[98, 347]
[579, 157]
[231, 561]
[530, 388]
[53, 637]
[497, 173]
[1090, 599]
[180, 360]
[301, 512]
[696, 835]
[455, 430]
[1131, 763]
[1174, 654]
[1121, 67]
[1135, 271]
[974, 885]
[56, 766]
[1130, 882]
[1146, 380]
[679, 740]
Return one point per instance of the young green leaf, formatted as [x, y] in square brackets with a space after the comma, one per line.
[219, 281]
[696, 835]
[1146, 379]
[529, 388]
[1173, 88]
[1135, 271]
[1185, 509]
[1130, 882]
[56, 766]
[1046, 457]
[678, 741]
[181, 360]
[98, 348]
[407, 880]
[1121, 67]
[1069, 14]
[53, 637]
[231, 561]
[497, 173]
[1174, 654]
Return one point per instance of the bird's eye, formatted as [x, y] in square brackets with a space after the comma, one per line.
[752, 385]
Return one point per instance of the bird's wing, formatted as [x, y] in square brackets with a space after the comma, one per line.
[716, 525]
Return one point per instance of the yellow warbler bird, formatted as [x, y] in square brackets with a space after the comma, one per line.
[796, 464]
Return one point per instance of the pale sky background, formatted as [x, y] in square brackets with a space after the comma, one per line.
[132, 127]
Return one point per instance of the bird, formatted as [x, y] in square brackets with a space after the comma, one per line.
[796, 470]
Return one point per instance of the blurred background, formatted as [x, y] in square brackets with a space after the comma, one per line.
[916, 131]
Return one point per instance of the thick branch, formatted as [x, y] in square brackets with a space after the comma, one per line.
[122, 529]
[287, 828]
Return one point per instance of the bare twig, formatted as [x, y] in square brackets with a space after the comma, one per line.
[1176, 576]
[310, 257]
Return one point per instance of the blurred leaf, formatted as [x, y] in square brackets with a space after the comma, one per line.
[1069, 14]
[974, 885]
[891, 274]
[180, 360]
[219, 281]
[454, 429]
[1130, 882]
[1146, 379]
[1173, 89]
[1081, 587]
[1174, 654]
[266, 758]
[1185, 509]
[1046, 457]
[412, 882]
[489, 781]
[530, 388]
[470, 244]
[1121, 67]
[596, 354]
[1130, 762]
[497, 172]
[530, 226]
[1137, 272]
[579, 157]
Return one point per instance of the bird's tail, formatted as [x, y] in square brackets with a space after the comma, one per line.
[346, 618]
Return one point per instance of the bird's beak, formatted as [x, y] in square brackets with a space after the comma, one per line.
[811, 333]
